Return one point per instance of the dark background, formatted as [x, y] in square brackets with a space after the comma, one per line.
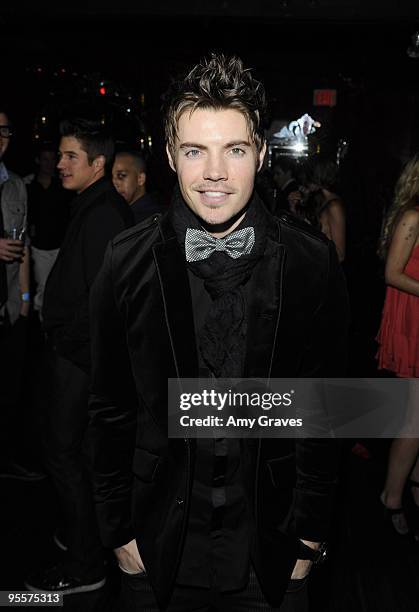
[55, 56]
[358, 47]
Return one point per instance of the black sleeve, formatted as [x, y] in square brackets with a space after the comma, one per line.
[100, 226]
[112, 411]
[318, 458]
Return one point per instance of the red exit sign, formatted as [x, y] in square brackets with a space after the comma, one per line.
[324, 97]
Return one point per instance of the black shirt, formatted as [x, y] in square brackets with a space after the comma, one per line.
[216, 548]
[48, 214]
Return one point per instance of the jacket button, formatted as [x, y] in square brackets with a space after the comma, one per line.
[179, 501]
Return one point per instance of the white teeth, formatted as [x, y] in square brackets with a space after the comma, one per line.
[214, 194]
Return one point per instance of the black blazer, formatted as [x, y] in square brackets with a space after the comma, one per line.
[143, 333]
[98, 214]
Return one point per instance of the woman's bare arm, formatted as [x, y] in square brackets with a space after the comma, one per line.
[336, 221]
[404, 240]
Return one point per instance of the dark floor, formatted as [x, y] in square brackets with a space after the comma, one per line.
[369, 569]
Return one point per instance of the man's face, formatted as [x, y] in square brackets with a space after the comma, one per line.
[4, 140]
[47, 161]
[75, 171]
[127, 179]
[280, 177]
[216, 162]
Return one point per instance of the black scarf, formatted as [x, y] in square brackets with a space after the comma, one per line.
[222, 341]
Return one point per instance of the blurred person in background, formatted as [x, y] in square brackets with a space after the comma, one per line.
[320, 204]
[286, 185]
[14, 308]
[48, 212]
[398, 336]
[129, 176]
[97, 214]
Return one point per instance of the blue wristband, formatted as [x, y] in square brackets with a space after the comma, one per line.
[26, 297]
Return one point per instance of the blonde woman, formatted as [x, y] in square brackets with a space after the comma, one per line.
[399, 331]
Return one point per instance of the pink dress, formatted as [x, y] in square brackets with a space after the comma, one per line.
[399, 331]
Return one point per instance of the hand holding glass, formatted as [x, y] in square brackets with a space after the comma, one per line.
[12, 245]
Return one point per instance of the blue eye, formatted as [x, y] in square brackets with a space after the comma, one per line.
[192, 153]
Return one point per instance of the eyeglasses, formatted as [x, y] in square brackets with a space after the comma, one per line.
[5, 131]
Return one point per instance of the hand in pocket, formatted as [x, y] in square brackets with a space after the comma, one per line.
[129, 559]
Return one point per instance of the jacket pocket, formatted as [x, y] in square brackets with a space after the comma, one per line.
[15, 215]
[146, 465]
[282, 471]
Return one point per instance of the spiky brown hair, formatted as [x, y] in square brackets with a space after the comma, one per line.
[218, 82]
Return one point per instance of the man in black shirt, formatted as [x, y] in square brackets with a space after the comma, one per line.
[216, 288]
[97, 214]
[129, 178]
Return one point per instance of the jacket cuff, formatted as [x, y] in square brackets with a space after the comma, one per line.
[114, 524]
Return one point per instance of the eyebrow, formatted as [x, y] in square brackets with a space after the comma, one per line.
[228, 145]
[67, 153]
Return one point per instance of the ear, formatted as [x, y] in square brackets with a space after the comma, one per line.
[170, 158]
[99, 163]
[262, 153]
[142, 177]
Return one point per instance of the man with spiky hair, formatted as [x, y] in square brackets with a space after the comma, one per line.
[214, 288]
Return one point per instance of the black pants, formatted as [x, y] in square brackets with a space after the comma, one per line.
[13, 419]
[137, 596]
[66, 459]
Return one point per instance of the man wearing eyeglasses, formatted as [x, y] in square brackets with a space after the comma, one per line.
[12, 225]
[14, 293]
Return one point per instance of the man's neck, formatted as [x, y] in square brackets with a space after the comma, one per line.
[225, 233]
[220, 230]
[137, 196]
[44, 179]
[97, 178]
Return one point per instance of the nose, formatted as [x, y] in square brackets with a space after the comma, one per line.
[215, 167]
[60, 164]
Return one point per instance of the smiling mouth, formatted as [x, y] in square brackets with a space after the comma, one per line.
[215, 194]
[212, 196]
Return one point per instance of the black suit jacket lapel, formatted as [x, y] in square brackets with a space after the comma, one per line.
[176, 294]
[265, 295]
[265, 291]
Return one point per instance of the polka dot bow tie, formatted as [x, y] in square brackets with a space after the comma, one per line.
[200, 245]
